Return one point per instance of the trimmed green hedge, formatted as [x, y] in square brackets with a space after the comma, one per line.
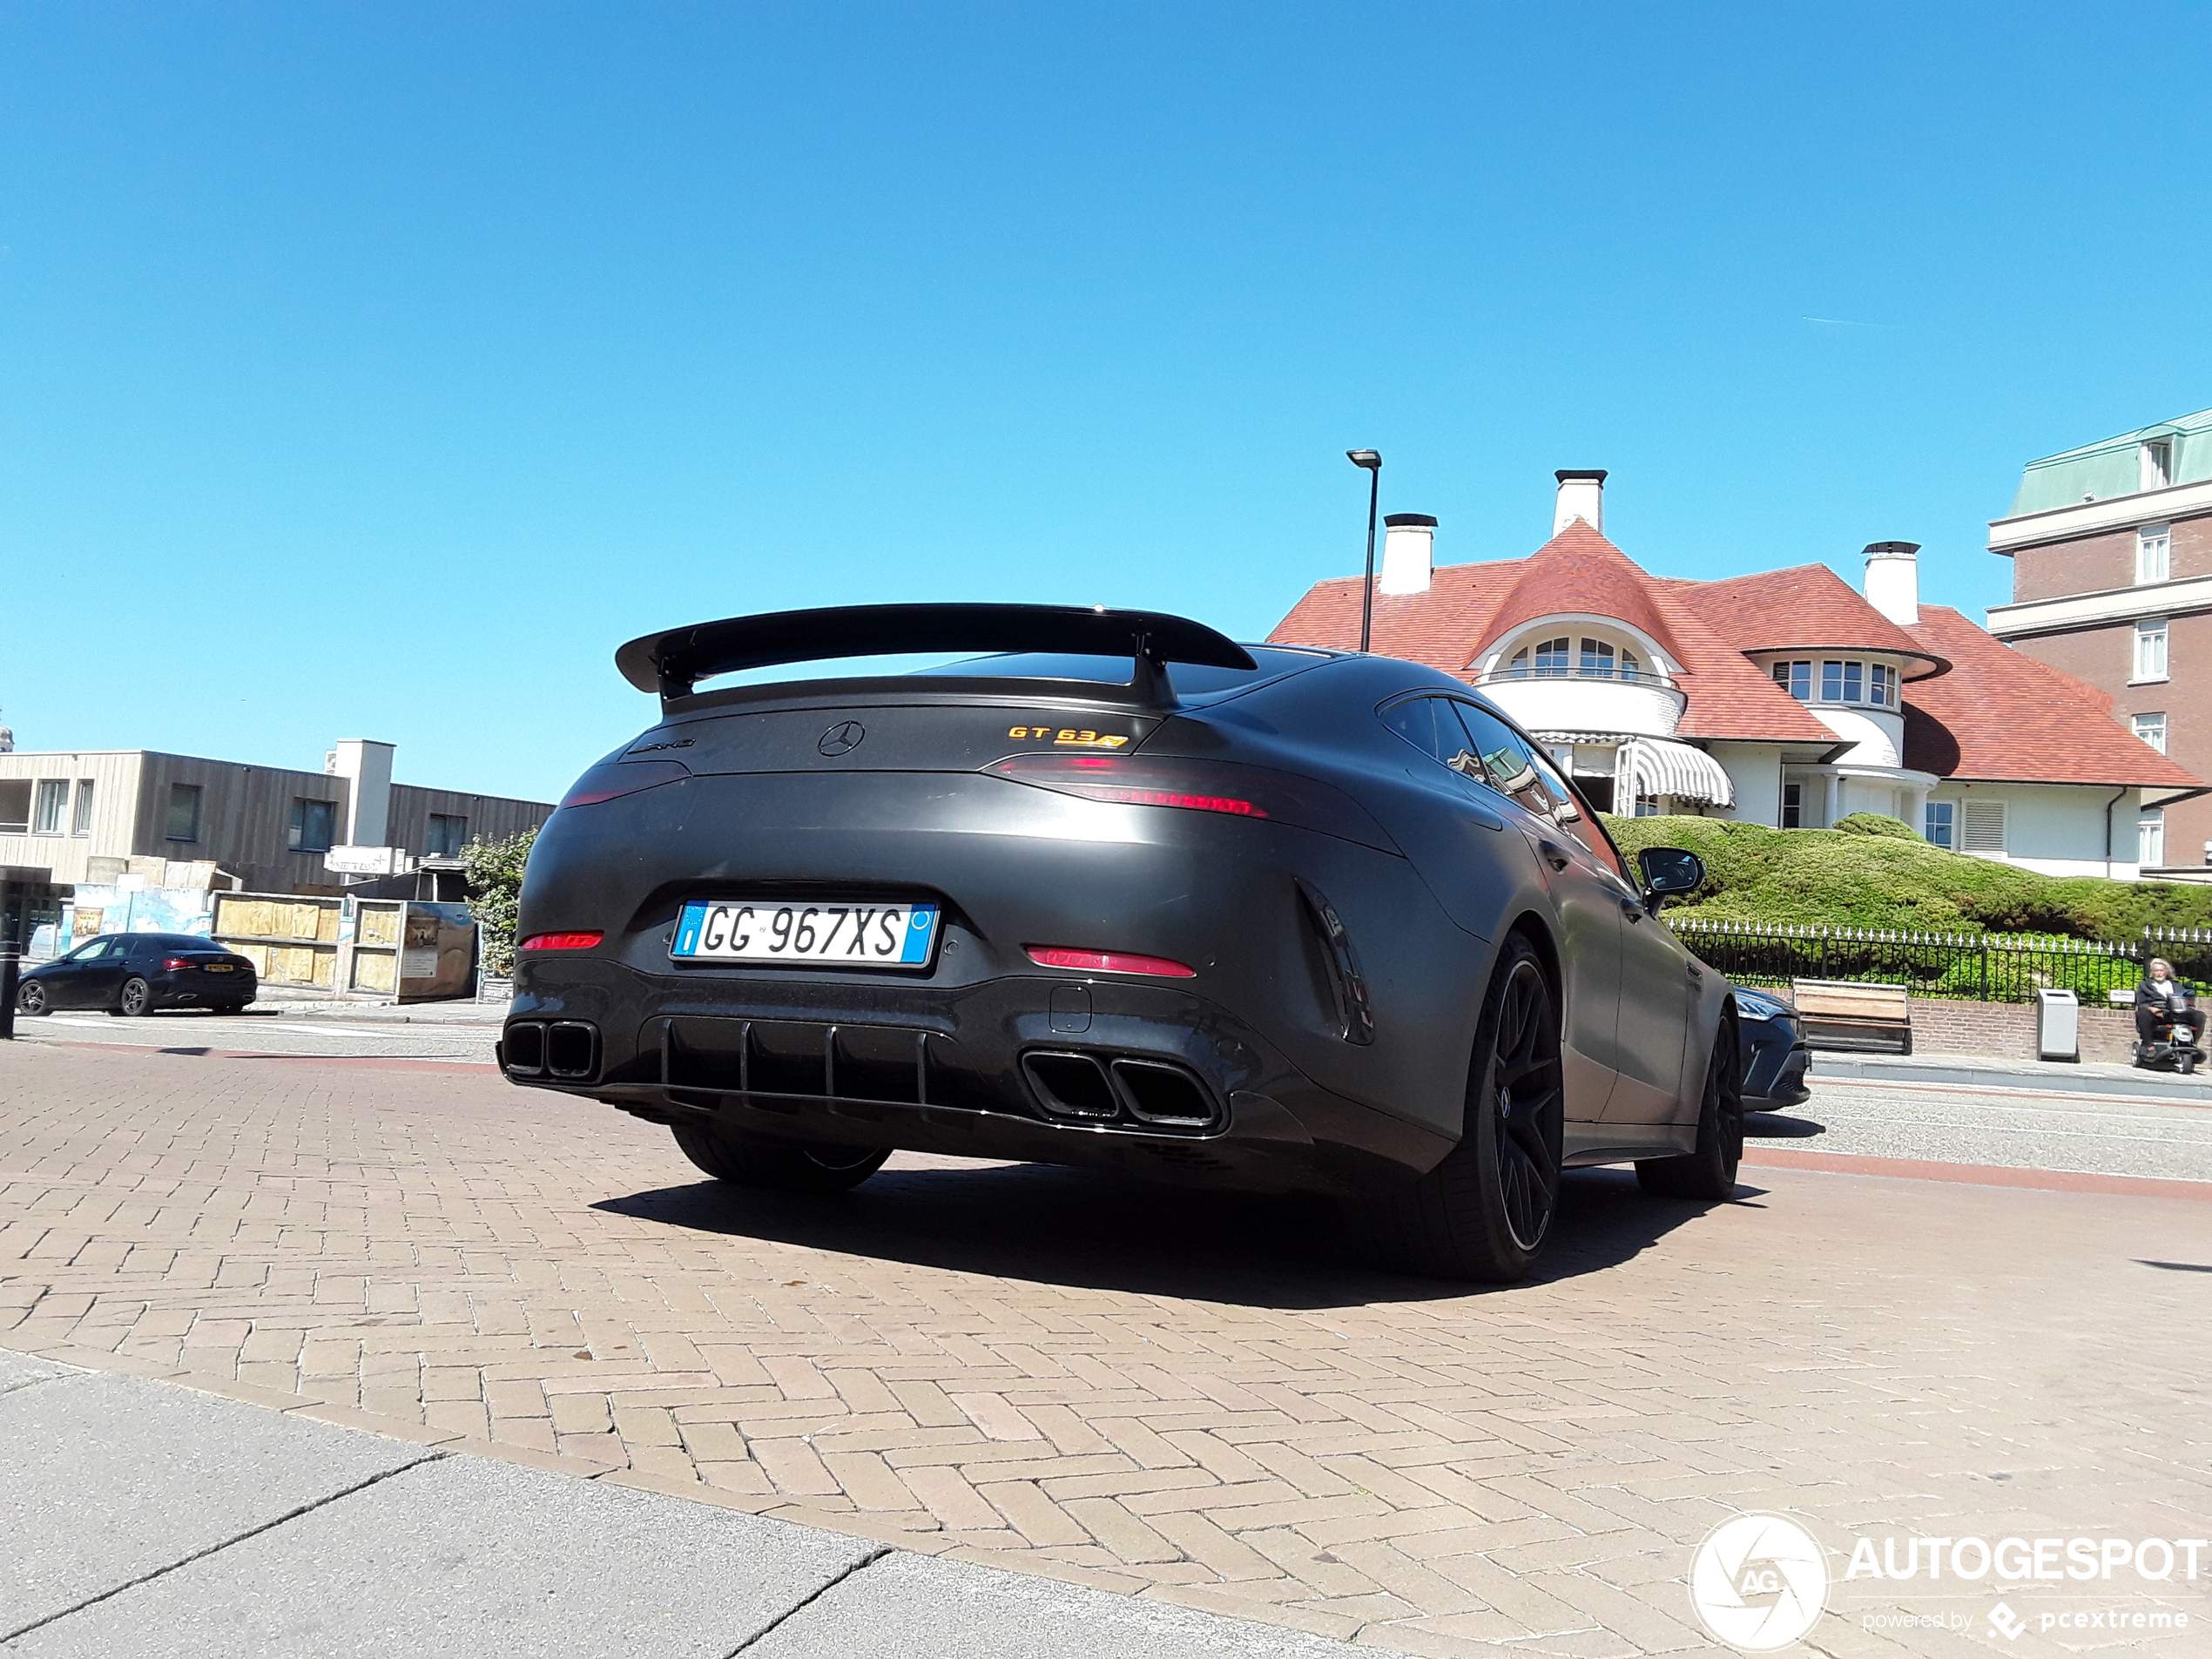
[1874, 872]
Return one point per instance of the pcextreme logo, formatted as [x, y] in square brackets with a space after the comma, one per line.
[1758, 1582]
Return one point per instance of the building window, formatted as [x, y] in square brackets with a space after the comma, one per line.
[2154, 553]
[53, 802]
[1597, 660]
[2151, 728]
[2150, 649]
[14, 807]
[1647, 805]
[81, 820]
[1941, 824]
[1985, 827]
[1793, 805]
[449, 834]
[313, 825]
[1630, 669]
[2158, 463]
[1794, 679]
[184, 812]
[1881, 685]
[1552, 659]
[2150, 838]
[1839, 683]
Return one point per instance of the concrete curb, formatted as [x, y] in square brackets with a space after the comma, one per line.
[249, 1525]
[2048, 1075]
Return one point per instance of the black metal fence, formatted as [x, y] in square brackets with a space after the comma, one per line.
[1984, 967]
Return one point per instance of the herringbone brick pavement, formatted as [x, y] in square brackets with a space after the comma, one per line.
[1173, 1393]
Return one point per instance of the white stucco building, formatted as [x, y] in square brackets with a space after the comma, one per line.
[1783, 697]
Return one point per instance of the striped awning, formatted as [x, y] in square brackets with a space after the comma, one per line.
[1661, 766]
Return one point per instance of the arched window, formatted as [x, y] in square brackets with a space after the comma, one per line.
[1630, 669]
[1597, 659]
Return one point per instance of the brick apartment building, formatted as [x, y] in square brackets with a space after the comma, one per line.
[2111, 546]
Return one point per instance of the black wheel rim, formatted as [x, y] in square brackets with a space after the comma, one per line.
[134, 997]
[1525, 1092]
[32, 998]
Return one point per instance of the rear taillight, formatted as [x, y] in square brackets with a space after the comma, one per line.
[561, 941]
[1108, 961]
[612, 777]
[173, 963]
[1224, 786]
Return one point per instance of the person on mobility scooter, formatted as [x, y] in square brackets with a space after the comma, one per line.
[2169, 1029]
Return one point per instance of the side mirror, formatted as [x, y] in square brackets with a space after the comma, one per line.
[1670, 870]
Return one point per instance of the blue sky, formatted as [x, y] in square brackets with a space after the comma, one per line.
[481, 339]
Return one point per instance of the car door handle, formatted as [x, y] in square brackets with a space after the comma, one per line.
[1554, 854]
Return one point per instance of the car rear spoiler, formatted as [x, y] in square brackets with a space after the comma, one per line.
[672, 662]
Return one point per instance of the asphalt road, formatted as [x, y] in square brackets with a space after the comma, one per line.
[2012, 1127]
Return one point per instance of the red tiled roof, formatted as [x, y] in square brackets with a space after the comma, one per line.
[1469, 607]
[2000, 716]
[1807, 607]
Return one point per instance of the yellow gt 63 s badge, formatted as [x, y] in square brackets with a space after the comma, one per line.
[1066, 737]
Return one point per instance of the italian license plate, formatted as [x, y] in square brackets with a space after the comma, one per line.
[823, 934]
[216, 968]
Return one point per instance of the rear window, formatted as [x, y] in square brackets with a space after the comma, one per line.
[1191, 680]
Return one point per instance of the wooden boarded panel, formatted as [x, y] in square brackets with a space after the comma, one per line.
[375, 970]
[380, 923]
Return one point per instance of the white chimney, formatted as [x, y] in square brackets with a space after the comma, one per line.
[366, 768]
[1409, 552]
[1582, 494]
[1893, 580]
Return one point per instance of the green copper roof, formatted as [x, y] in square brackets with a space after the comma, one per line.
[2114, 466]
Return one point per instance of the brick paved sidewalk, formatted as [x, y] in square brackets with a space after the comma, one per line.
[1170, 1394]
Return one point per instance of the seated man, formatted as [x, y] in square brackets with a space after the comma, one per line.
[2161, 997]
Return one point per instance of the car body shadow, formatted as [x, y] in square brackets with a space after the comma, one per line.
[1090, 1229]
[1775, 1126]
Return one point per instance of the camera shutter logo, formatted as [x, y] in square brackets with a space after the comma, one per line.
[1758, 1582]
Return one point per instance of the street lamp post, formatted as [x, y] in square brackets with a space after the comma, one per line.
[1371, 462]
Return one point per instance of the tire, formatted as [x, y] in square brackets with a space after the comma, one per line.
[1484, 1212]
[30, 998]
[135, 1000]
[1710, 1172]
[780, 1166]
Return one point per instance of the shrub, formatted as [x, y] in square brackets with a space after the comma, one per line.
[1870, 870]
[494, 872]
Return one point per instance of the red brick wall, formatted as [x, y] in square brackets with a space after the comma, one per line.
[2105, 656]
[2095, 563]
[2007, 1030]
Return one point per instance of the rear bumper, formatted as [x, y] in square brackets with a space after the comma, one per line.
[1186, 1091]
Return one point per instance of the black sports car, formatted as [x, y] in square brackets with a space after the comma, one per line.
[1126, 893]
[135, 973]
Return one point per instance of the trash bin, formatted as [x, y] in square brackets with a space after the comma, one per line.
[2058, 1026]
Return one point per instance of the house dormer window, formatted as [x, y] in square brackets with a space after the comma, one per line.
[1841, 681]
[2158, 463]
[1597, 659]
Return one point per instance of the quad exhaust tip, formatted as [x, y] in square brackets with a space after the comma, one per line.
[568, 1049]
[1082, 1088]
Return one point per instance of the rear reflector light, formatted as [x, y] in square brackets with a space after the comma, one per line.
[1226, 788]
[1108, 961]
[561, 941]
[612, 777]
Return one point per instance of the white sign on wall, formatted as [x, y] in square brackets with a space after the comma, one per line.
[362, 861]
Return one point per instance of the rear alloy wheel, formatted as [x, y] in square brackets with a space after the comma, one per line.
[1485, 1210]
[781, 1166]
[1708, 1172]
[135, 999]
[31, 998]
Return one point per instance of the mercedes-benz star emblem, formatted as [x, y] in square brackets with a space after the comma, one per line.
[842, 740]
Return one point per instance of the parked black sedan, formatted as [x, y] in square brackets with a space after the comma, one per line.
[1121, 893]
[135, 974]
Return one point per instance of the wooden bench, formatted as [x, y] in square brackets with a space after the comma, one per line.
[1846, 1014]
